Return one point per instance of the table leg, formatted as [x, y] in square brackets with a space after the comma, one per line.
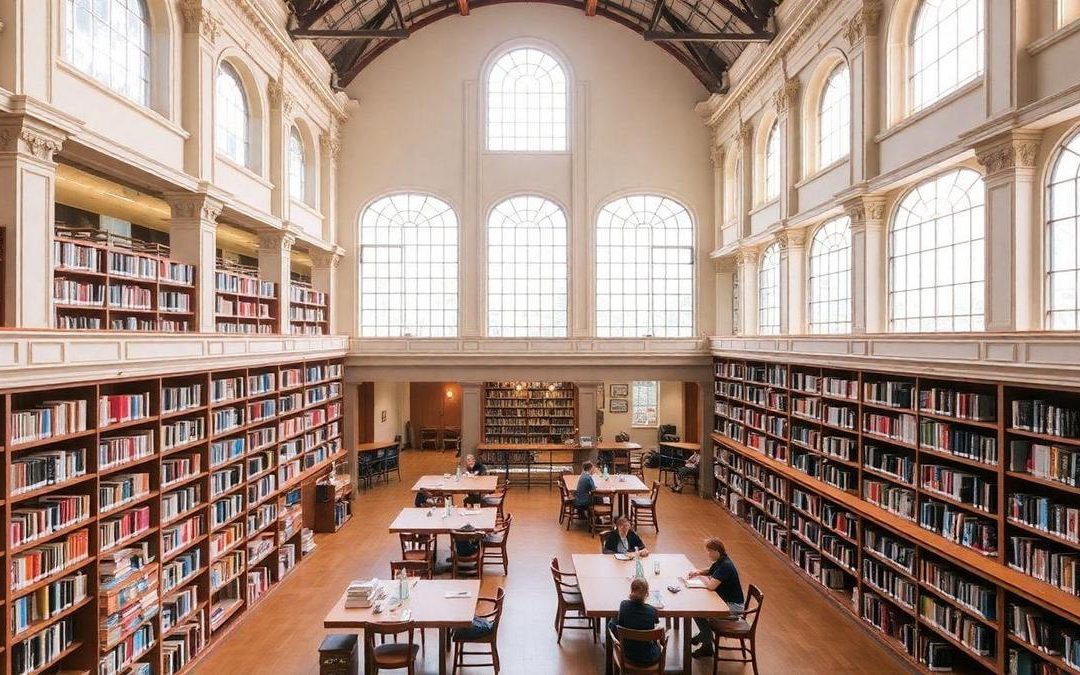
[442, 651]
[688, 660]
[609, 667]
[369, 658]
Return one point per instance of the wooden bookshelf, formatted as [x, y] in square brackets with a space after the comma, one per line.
[529, 412]
[309, 310]
[922, 451]
[102, 281]
[170, 548]
[244, 303]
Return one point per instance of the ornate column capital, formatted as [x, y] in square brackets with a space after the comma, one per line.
[792, 239]
[745, 133]
[863, 23]
[746, 256]
[275, 240]
[331, 144]
[194, 206]
[716, 154]
[20, 135]
[1013, 152]
[865, 211]
[198, 19]
[280, 98]
[785, 97]
[329, 260]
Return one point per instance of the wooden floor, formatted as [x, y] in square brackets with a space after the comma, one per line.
[800, 631]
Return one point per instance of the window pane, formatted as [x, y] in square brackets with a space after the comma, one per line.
[526, 103]
[946, 49]
[830, 278]
[772, 163]
[834, 117]
[1063, 244]
[644, 397]
[231, 115]
[769, 291]
[109, 41]
[297, 169]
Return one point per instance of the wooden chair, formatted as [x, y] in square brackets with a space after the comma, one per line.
[418, 546]
[603, 537]
[620, 462]
[413, 568]
[743, 629]
[451, 439]
[491, 639]
[494, 547]
[391, 655]
[567, 507]
[601, 514]
[624, 667]
[643, 509]
[465, 566]
[496, 499]
[637, 463]
[429, 438]
[569, 599]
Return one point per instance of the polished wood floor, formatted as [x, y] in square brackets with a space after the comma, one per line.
[800, 631]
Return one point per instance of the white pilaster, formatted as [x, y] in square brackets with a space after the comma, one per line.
[193, 240]
[747, 260]
[786, 101]
[281, 104]
[869, 264]
[275, 264]
[795, 245]
[472, 416]
[862, 31]
[197, 59]
[324, 266]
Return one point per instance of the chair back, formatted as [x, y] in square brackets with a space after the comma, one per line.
[452, 433]
[620, 635]
[494, 613]
[752, 612]
[395, 628]
[565, 583]
[465, 536]
[503, 528]
[603, 538]
[654, 493]
[413, 568]
[416, 541]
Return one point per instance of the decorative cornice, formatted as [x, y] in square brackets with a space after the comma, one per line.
[1015, 152]
[276, 239]
[326, 259]
[863, 210]
[198, 19]
[784, 98]
[194, 206]
[31, 142]
[863, 23]
[280, 98]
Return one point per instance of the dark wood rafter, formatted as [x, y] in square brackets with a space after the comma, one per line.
[665, 36]
[706, 57]
[309, 12]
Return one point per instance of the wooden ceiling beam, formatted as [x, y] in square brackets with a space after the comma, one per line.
[690, 36]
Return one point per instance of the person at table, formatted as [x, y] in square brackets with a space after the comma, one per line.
[585, 486]
[475, 468]
[689, 468]
[722, 578]
[424, 499]
[624, 540]
[636, 614]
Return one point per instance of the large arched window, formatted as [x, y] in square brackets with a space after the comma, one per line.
[830, 278]
[770, 171]
[297, 167]
[644, 268]
[409, 268]
[769, 291]
[1063, 242]
[109, 40]
[526, 281]
[834, 117]
[946, 49]
[526, 102]
[936, 256]
[231, 115]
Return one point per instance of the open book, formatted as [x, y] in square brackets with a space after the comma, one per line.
[695, 582]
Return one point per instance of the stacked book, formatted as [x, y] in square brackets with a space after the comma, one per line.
[362, 594]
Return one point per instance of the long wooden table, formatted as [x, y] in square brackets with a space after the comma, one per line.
[428, 604]
[434, 520]
[605, 582]
[620, 487]
[451, 486]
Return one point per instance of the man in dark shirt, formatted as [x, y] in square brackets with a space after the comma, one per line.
[585, 486]
[477, 469]
[636, 614]
[624, 540]
[423, 499]
[722, 578]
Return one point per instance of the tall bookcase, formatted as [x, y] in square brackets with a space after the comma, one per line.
[309, 312]
[529, 412]
[103, 281]
[146, 516]
[244, 302]
[944, 513]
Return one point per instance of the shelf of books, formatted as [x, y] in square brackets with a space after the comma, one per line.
[146, 516]
[945, 514]
[529, 412]
[244, 303]
[102, 281]
[309, 310]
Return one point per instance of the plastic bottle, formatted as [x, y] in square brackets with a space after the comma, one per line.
[639, 569]
[403, 585]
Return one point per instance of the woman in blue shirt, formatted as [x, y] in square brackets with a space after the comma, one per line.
[636, 614]
[722, 578]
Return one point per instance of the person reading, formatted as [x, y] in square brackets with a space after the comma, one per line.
[624, 540]
[474, 468]
[585, 486]
[689, 468]
[722, 578]
[636, 614]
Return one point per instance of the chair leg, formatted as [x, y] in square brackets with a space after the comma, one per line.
[753, 656]
[495, 656]
[559, 625]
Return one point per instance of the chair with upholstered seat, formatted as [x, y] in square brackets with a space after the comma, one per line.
[496, 499]
[743, 629]
[466, 566]
[429, 439]
[418, 546]
[622, 666]
[490, 638]
[567, 506]
[391, 655]
[601, 514]
[643, 509]
[494, 545]
[570, 607]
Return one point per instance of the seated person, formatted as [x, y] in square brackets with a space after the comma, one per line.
[466, 549]
[636, 614]
[585, 486]
[424, 499]
[722, 578]
[624, 540]
[689, 468]
[475, 468]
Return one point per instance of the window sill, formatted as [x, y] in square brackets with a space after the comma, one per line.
[304, 206]
[231, 163]
[914, 118]
[149, 113]
[527, 153]
[822, 171]
[1048, 41]
[761, 207]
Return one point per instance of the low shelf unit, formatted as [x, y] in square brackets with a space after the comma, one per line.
[309, 310]
[244, 303]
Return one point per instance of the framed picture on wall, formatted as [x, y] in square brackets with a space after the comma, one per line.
[383, 417]
[619, 405]
[620, 391]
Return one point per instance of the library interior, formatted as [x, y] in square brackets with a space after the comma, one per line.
[746, 331]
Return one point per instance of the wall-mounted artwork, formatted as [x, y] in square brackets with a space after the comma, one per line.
[383, 416]
[619, 405]
[620, 390]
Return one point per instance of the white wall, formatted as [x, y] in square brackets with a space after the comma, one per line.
[418, 127]
[393, 397]
[669, 411]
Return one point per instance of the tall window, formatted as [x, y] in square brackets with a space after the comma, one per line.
[526, 103]
[936, 256]
[830, 278]
[231, 113]
[644, 268]
[946, 49]
[769, 291]
[834, 117]
[526, 295]
[1063, 244]
[409, 268]
[771, 168]
[109, 40]
[644, 396]
[297, 168]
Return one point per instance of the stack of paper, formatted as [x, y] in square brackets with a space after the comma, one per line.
[362, 594]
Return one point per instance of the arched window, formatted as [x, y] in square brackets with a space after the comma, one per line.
[644, 268]
[297, 167]
[526, 103]
[1063, 242]
[936, 256]
[409, 268]
[771, 164]
[769, 291]
[526, 293]
[1067, 12]
[109, 40]
[830, 278]
[231, 115]
[834, 117]
[946, 49]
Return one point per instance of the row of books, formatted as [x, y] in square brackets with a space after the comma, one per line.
[228, 282]
[130, 265]
[1046, 514]
[1037, 559]
[123, 527]
[42, 469]
[116, 451]
[48, 419]
[309, 314]
[180, 569]
[178, 502]
[243, 328]
[242, 308]
[177, 468]
[962, 405]
[39, 649]
[306, 295]
[973, 489]
[891, 497]
[125, 296]
[180, 398]
[187, 642]
[182, 432]
[1046, 417]
[46, 515]
[119, 489]
[42, 561]
[900, 427]
[46, 602]
[964, 589]
[1049, 462]
[979, 534]
[958, 441]
[890, 393]
[120, 408]
[80, 293]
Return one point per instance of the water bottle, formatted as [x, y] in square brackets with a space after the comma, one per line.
[447, 507]
[656, 567]
[639, 569]
[403, 585]
[458, 476]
